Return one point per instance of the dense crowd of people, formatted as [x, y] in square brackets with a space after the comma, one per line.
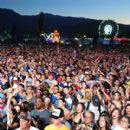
[64, 88]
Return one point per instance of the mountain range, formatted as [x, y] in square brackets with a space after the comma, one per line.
[65, 25]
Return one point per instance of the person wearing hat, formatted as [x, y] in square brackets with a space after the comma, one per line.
[51, 80]
[3, 116]
[57, 118]
[15, 83]
[95, 106]
[25, 122]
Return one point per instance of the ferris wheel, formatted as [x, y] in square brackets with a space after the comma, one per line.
[108, 28]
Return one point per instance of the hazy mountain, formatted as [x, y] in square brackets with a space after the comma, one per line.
[66, 25]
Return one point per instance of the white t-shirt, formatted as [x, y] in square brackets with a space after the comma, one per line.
[31, 128]
[114, 126]
[117, 127]
[95, 110]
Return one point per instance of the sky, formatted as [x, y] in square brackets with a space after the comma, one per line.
[117, 10]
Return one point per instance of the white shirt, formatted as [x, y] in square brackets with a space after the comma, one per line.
[31, 128]
[95, 110]
[117, 127]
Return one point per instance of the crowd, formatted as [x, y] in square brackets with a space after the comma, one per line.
[64, 88]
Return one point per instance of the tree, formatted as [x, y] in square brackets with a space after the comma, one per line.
[14, 33]
[41, 23]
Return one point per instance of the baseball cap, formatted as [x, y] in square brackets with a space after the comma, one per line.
[78, 93]
[28, 81]
[128, 83]
[57, 113]
[59, 79]
[61, 85]
[15, 78]
[2, 96]
[95, 100]
[25, 116]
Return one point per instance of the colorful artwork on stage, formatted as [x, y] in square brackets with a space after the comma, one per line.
[53, 37]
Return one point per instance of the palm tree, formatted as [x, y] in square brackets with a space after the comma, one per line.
[41, 23]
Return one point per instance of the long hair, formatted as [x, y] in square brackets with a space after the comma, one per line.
[116, 109]
[126, 108]
[107, 121]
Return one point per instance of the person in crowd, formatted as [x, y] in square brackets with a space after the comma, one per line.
[89, 122]
[54, 91]
[20, 90]
[127, 110]
[103, 123]
[39, 80]
[25, 106]
[124, 123]
[115, 117]
[3, 107]
[95, 106]
[62, 104]
[117, 100]
[83, 88]
[47, 103]
[13, 120]
[68, 98]
[30, 95]
[78, 117]
[25, 122]
[111, 106]
[57, 118]
[41, 112]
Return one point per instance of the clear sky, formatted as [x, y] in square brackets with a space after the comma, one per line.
[118, 10]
